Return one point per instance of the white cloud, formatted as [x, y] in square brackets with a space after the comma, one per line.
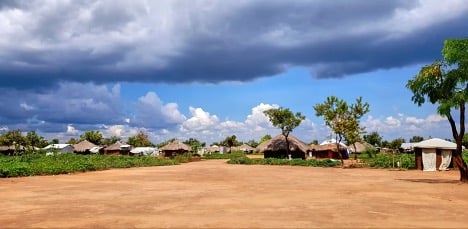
[436, 118]
[71, 130]
[152, 113]
[408, 126]
[414, 120]
[200, 120]
[257, 118]
[26, 107]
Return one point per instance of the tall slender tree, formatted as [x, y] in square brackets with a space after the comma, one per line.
[445, 83]
[343, 119]
[286, 120]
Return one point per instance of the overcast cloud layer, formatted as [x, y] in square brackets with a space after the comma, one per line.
[46, 42]
[62, 62]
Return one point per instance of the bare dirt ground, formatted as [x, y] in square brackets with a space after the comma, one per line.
[213, 194]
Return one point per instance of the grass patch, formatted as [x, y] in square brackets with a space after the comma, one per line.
[233, 154]
[384, 160]
[31, 163]
[275, 161]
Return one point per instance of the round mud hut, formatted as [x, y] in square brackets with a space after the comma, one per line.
[277, 148]
[175, 148]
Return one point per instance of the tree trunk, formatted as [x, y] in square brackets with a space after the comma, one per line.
[339, 152]
[355, 153]
[458, 136]
[288, 152]
[462, 167]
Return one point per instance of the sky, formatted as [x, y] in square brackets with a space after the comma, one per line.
[207, 69]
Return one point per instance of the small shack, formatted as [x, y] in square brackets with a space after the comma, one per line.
[330, 151]
[118, 148]
[84, 147]
[434, 154]
[175, 148]
[277, 148]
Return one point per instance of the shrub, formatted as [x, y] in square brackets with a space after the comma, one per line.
[276, 161]
[384, 160]
[32, 163]
[232, 155]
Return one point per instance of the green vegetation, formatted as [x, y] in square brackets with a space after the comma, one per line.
[385, 160]
[343, 119]
[445, 83]
[30, 164]
[233, 154]
[286, 120]
[276, 161]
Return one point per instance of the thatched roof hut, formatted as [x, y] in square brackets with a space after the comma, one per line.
[360, 147]
[83, 147]
[329, 151]
[277, 148]
[118, 148]
[174, 148]
[244, 148]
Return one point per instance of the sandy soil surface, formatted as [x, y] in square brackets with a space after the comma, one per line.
[213, 194]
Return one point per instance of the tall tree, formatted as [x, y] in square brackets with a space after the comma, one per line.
[252, 143]
[140, 140]
[33, 140]
[373, 138]
[445, 83]
[465, 140]
[111, 140]
[92, 136]
[265, 138]
[194, 143]
[416, 139]
[342, 118]
[73, 141]
[396, 143]
[12, 137]
[230, 141]
[286, 120]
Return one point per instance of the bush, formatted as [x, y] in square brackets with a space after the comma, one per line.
[276, 161]
[232, 155]
[32, 163]
[384, 160]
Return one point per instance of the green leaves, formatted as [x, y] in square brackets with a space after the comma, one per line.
[342, 118]
[284, 119]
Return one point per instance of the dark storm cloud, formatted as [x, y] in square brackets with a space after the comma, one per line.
[45, 43]
[71, 103]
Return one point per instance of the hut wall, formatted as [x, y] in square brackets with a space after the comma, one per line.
[418, 159]
[116, 152]
[283, 154]
[330, 154]
[173, 153]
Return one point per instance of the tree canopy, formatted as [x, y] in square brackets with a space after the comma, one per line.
[194, 143]
[92, 136]
[343, 119]
[230, 141]
[140, 140]
[286, 120]
[416, 139]
[373, 138]
[445, 83]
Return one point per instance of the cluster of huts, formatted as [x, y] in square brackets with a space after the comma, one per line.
[430, 155]
[85, 147]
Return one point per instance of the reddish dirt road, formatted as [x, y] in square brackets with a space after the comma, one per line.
[218, 195]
